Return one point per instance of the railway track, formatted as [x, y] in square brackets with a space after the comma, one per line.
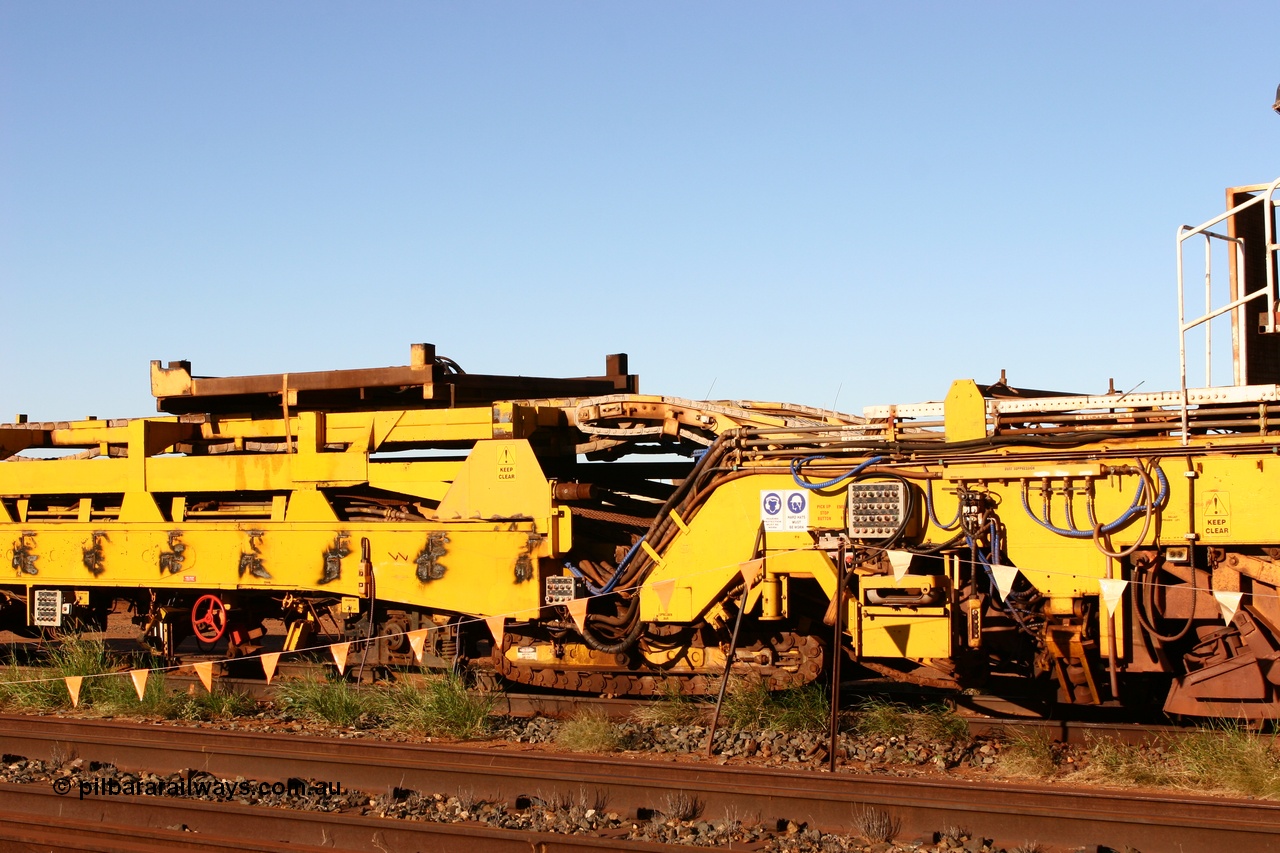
[1009, 813]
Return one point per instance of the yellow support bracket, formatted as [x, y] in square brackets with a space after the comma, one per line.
[684, 528]
[652, 553]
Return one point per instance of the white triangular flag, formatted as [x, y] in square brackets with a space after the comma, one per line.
[204, 669]
[578, 610]
[1005, 576]
[339, 652]
[73, 687]
[269, 661]
[1228, 603]
[139, 677]
[901, 561]
[497, 627]
[417, 639]
[1112, 589]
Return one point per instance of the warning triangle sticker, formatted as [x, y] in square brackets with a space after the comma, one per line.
[750, 571]
[269, 661]
[139, 677]
[578, 610]
[1112, 589]
[339, 652]
[506, 457]
[73, 687]
[1228, 603]
[497, 626]
[417, 639]
[901, 561]
[1005, 576]
[204, 669]
[664, 589]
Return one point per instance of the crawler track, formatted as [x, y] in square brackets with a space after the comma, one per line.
[1011, 813]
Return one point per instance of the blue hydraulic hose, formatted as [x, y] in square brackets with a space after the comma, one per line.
[617, 573]
[799, 464]
[1125, 518]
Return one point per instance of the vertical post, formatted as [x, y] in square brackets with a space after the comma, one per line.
[733, 641]
[837, 652]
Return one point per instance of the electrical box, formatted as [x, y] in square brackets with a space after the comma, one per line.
[876, 510]
[561, 589]
[46, 608]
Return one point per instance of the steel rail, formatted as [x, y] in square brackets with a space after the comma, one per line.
[1010, 813]
[34, 815]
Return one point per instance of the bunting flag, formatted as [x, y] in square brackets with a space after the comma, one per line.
[269, 661]
[339, 652]
[73, 687]
[901, 561]
[750, 571]
[1005, 576]
[417, 639]
[578, 610]
[1112, 589]
[139, 677]
[204, 669]
[1228, 603]
[664, 589]
[497, 626]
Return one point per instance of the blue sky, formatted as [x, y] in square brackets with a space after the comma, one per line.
[771, 201]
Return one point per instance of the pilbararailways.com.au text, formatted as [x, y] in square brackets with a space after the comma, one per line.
[203, 789]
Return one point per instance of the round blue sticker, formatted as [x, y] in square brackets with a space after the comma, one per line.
[795, 503]
[772, 503]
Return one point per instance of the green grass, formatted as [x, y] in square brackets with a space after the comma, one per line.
[879, 717]
[1028, 752]
[751, 705]
[339, 703]
[221, 704]
[589, 731]
[45, 690]
[1223, 758]
[673, 709]
[439, 706]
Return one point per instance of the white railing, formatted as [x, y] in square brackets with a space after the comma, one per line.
[1236, 306]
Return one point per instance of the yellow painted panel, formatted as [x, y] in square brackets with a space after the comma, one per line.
[721, 536]
[64, 476]
[224, 473]
[922, 634]
[500, 479]
[430, 480]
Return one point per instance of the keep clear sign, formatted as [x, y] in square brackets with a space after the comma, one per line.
[784, 510]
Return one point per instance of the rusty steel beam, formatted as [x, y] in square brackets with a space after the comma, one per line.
[1010, 813]
[33, 815]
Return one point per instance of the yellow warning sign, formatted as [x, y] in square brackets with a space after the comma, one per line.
[506, 464]
[1216, 511]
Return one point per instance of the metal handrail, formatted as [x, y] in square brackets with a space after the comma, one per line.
[1186, 232]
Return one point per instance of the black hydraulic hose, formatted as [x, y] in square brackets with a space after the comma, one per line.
[628, 640]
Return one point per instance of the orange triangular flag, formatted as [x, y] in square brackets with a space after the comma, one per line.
[664, 589]
[73, 687]
[750, 571]
[1228, 603]
[339, 652]
[269, 661]
[139, 677]
[1112, 589]
[417, 639]
[204, 669]
[578, 610]
[497, 625]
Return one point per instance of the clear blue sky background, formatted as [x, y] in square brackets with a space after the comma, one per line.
[788, 200]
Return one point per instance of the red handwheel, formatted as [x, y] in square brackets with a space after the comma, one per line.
[209, 618]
